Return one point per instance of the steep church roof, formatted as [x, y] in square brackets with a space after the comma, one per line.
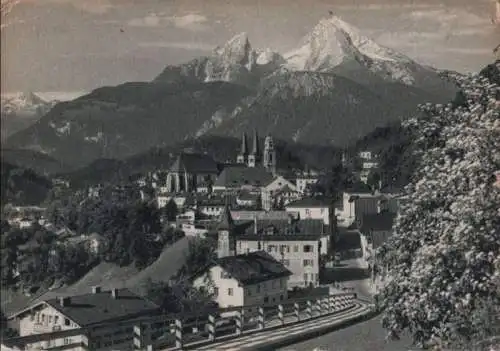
[255, 148]
[194, 163]
[226, 220]
[244, 146]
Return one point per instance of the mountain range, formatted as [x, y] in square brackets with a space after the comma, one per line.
[19, 111]
[334, 88]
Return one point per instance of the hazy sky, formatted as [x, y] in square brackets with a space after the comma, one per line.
[77, 45]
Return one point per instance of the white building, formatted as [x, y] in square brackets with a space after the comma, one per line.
[275, 187]
[313, 208]
[304, 180]
[248, 279]
[81, 311]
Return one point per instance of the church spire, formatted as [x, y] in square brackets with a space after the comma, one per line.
[255, 148]
[226, 220]
[244, 147]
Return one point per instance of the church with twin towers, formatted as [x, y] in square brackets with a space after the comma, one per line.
[254, 157]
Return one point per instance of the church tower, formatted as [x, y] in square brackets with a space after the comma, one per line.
[243, 155]
[269, 155]
[226, 241]
[254, 157]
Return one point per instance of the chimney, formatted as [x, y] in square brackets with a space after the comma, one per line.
[114, 293]
[64, 301]
[96, 289]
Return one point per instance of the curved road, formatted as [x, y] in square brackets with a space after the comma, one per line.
[368, 335]
[365, 336]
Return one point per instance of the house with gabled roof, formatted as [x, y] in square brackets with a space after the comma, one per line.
[71, 312]
[246, 279]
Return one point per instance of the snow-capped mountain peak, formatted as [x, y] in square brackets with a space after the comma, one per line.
[333, 41]
[237, 51]
[22, 100]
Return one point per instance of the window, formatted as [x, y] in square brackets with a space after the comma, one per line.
[258, 288]
[43, 318]
[249, 292]
[216, 291]
[282, 283]
[286, 263]
[281, 297]
[230, 291]
[317, 276]
[67, 341]
[296, 248]
[308, 248]
[50, 319]
[266, 299]
[56, 319]
[305, 276]
[308, 263]
[284, 248]
[308, 212]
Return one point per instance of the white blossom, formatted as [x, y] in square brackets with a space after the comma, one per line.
[444, 256]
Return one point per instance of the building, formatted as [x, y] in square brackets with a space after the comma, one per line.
[246, 279]
[278, 186]
[357, 204]
[296, 244]
[253, 158]
[81, 311]
[239, 177]
[375, 229]
[269, 159]
[190, 170]
[313, 208]
[304, 181]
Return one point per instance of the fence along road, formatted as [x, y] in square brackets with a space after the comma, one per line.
[196, 331]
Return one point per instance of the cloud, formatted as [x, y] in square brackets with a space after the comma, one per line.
[178, 45]
[192, 21]
[92, 6]
[467, 51]
[380, 7]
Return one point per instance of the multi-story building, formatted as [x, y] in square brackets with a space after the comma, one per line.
[279, 190]
[247, 279]
[82, 311]
[296, 244]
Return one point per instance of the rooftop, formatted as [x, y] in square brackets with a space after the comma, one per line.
[254, 267]
[376, 222]
[194, 163]
[99, 307]
[238, 176]
[307, 202]
[279, 229]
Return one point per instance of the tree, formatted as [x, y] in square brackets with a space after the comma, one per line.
[442, 264]
[170, 210]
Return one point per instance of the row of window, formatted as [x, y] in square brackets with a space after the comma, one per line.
[311, 277]
[305, 263]
[42, 318]
[286, 248]
[258, 288]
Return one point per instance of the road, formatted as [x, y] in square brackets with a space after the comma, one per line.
[368, 335]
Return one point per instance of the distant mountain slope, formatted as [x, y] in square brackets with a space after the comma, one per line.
[22, 187]
[40, 163]
[116, 122]
[313, 107]
[290, 155]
